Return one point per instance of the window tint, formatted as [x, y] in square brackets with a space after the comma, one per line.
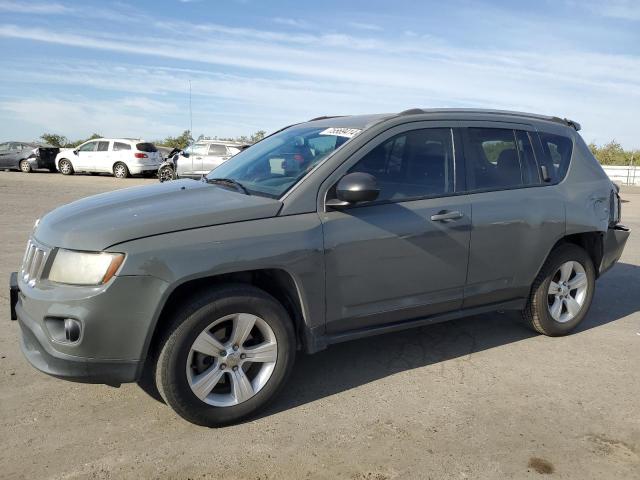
[88, 147]
[499, 158]
[556, 154]
[4, 147]
[103, 146]
[146, 147]
[218, 150]
[413, 164]
[530, 171]
[118, 146]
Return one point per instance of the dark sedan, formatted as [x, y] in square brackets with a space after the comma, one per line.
[26, 157]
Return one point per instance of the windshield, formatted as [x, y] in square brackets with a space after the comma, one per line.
[198, 149]
[274, 165]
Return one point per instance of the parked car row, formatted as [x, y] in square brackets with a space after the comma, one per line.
[120, 157]
[26, 156]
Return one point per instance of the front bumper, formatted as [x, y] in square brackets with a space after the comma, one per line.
[614, 241]
[117, 322]
[37, 350]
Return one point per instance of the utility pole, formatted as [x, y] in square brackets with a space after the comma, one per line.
[190, 113]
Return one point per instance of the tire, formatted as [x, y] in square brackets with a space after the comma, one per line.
[25, 166]
[120, 170]
[165, 174]
[65, 167]
[180, 369]
[568, 266]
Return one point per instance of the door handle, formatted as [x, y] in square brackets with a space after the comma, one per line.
[444, 216]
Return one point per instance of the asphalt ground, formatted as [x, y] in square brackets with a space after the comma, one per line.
[478, 398]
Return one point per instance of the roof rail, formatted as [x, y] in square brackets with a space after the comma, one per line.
[325, 117]
[564, 121]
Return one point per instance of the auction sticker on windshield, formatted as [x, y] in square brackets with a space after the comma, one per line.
[341, 132]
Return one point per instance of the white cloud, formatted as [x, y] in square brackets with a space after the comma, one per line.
[280, 77]
[34, 8]
[292, 22]
[365, 26]
[619, 9]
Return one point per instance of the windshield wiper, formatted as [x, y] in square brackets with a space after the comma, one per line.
[227, 181]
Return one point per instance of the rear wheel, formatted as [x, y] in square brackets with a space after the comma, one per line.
[65, 167]
[226, 355]
[120, 170]
[25, 166]
[562, 292]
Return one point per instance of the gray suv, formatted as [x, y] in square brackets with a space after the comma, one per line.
[326, 231]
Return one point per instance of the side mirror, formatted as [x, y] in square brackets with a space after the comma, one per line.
[354, 188]
[75, 152]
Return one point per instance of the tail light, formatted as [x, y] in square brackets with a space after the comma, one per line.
[140, 155]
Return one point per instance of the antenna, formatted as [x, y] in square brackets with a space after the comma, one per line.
[190, 113]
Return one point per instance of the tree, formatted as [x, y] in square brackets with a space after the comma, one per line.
[256, 137]
[55, 140]
[181, 141]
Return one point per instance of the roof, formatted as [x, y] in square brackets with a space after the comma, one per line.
[221, 142]
[365, 121]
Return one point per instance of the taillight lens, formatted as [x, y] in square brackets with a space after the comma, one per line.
[140, 155]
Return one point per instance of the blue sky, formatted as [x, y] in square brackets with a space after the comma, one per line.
[122, 68]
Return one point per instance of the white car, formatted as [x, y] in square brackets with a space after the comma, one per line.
[119, 156]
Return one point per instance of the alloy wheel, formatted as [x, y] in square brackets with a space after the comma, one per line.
[232, 360]
[567, 291]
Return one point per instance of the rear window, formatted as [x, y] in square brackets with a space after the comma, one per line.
[103, 146]
[556, 154]
[146, 147]
[117, 146]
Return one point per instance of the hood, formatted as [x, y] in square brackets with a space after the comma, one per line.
[98, 222]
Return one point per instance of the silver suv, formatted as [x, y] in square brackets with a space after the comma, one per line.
[329, 230]
[198, 159]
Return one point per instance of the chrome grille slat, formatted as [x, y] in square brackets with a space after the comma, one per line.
[34, 262]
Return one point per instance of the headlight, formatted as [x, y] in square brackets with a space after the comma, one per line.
[84, 268]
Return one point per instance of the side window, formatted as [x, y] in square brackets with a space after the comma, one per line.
[88, 147]
[217, 150]
[556, 153]
[4, 147]
[530, 171]
[119, 146]
[492, 159]
[103, 146]
[414, 164]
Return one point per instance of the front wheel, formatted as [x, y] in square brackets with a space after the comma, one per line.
[225, 356]
[120, 170]
[562, 292]
[25, 166]
[165, 174]
[65, 167]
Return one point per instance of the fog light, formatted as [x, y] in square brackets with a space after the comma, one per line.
[71, 330]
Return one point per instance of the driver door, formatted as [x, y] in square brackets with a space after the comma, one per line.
[400, 257]
[85, 156]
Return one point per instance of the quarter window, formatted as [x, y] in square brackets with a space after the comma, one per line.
[414, 164]
[498, 158]
[556, 154]
[118, 146]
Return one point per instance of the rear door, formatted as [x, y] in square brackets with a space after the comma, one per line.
[7, 155]
[516, 216]
[403, 256]
[216, 154]
[102, 161]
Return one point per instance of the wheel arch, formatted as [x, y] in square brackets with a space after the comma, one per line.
[275, 281]
[591, 241]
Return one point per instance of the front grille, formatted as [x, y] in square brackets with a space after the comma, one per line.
[35, 259]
